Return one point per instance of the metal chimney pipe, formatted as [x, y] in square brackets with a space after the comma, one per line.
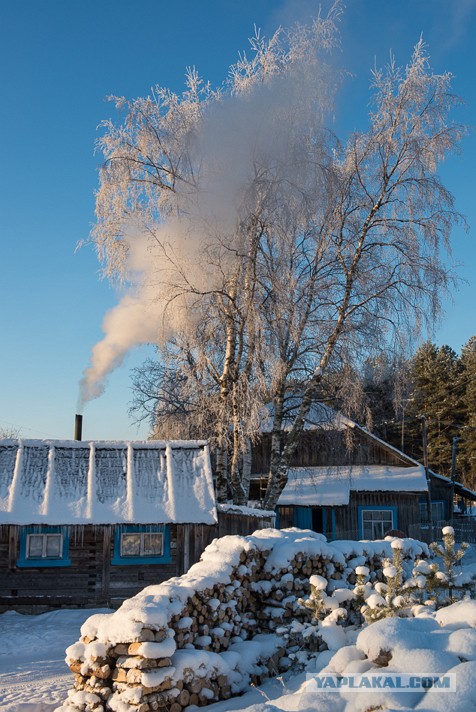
[78, 427]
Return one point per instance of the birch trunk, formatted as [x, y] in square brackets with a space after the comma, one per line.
[279, 466]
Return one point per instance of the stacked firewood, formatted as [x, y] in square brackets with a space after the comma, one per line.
[173, 666]
[133, 674]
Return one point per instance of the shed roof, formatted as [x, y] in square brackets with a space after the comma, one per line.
[71, 482]
[331, 486]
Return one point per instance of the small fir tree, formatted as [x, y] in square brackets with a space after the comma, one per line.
[450, 557]
[316, 602]
[392, 598]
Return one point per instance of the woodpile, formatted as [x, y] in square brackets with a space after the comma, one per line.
[147, 674]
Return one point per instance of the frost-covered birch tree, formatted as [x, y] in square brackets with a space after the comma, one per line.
[261, 250]
[388, 229]
[187, 199]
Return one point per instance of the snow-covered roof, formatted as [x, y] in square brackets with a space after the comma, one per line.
[72, 482]
[245, 510]
[331, 486]
[458, 487]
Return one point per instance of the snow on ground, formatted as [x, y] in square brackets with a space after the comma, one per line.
[33, 674]
[35, 678]
[417, 646]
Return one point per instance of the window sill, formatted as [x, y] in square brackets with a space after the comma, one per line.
[42, 563]
[140, 560]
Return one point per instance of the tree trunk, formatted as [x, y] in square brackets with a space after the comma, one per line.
[221, 472]
[246, 469]
[239, 496]
[229, 367]
[274, 488]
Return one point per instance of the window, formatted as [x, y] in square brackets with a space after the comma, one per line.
[375, 522]
[44, 546]
[437, 511]
[137, 544]
[142, 544]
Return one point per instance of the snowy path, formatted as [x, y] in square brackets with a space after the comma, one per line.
[33, 674]
[34, 688]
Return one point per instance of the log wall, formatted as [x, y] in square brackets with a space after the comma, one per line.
[327, 448]
[92, 579]
[442, 492]
[347, 518]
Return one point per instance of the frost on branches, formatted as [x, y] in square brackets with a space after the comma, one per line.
[228, 211]
[428, 585]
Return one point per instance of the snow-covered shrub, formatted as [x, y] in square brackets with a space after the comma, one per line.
[432, 586]
[324, 630]
[389, 598]
[398, 595]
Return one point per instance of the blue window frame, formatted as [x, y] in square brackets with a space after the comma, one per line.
[44, 546]
[141, 544]
[376, 520]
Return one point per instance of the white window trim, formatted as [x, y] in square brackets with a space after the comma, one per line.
[142, 537]
[44, 536]
[371, 521]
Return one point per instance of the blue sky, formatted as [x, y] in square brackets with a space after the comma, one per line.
[59, 59]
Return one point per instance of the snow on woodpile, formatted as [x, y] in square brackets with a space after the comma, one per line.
[208, 634]
[331, 486]
[72, 482]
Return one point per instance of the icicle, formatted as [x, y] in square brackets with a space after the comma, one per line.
[208, 474]
[170, 490]
[50, 473]
[15, 486]
[91, 492]
[130, 484]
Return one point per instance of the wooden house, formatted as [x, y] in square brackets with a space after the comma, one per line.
[91, 523]
[349, 484]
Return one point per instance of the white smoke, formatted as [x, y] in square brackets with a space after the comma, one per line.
[135, 320]
[261, 130]
[159, 275]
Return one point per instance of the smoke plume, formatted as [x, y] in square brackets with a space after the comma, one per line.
[258, 134]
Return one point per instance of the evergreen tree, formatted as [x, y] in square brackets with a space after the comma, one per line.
[382, 388]
[467, 441]
[435, 383]
[436, 374]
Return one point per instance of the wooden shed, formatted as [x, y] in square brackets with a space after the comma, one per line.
[349, 484]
